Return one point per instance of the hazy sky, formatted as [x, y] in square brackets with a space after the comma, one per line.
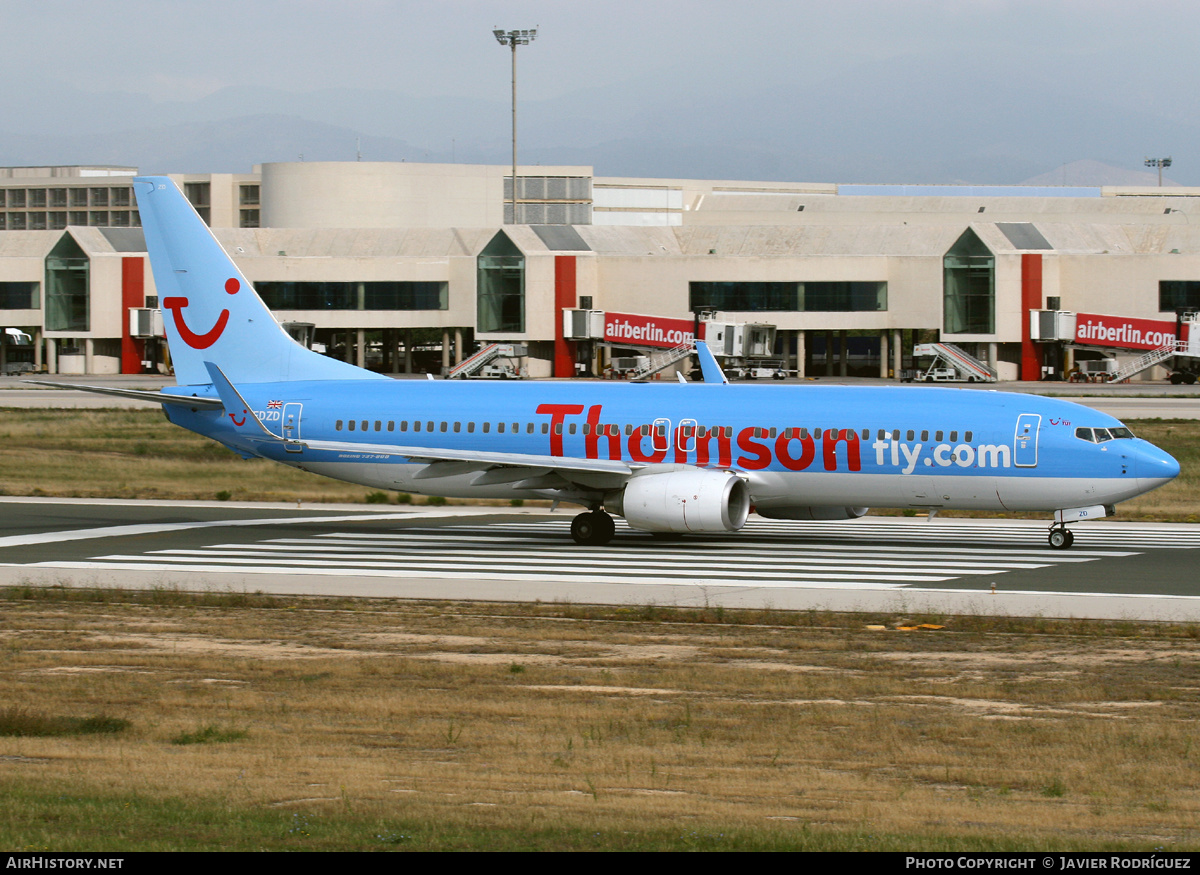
[1036, 71]
[180, 49]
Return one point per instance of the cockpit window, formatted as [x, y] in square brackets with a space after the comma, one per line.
[1100, 435]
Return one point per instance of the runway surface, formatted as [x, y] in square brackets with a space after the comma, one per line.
[1115, 569]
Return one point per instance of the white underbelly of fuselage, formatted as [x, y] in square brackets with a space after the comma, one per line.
[784, 489]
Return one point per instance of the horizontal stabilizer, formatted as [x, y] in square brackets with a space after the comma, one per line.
[138, 394]
[236, 408]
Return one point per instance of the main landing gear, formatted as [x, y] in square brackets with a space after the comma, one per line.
[1061, 537]
[594, 528]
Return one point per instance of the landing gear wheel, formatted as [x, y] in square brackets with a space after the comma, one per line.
[594, 528]
[1061, 538]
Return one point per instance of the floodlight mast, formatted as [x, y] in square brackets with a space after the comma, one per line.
[514, 38]
[1160, 163]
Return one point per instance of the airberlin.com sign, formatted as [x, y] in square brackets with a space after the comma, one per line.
[1122, 332]
[637, 330]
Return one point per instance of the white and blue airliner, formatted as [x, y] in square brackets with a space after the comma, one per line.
[668, 457]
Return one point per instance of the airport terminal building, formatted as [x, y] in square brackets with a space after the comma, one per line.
[406, 267]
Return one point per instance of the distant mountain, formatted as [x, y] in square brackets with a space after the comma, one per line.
[1096, 173]
[225, 146]
[919, 119]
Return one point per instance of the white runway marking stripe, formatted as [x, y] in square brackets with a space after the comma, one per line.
[887, 553]
[414, 540]
[960, 564]
[803, 563]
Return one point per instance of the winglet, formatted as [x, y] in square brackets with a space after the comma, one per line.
[236, 407]
[709, 369]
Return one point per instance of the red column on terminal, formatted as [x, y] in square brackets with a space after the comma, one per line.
[565, 298]
[1031, 299]
[133, 294]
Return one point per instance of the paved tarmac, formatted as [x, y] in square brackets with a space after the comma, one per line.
[894, 564]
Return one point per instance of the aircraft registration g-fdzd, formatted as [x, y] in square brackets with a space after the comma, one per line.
[670, 457]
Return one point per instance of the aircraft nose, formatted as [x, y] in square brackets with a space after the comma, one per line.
[1155, 467]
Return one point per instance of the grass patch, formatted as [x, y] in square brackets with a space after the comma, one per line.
[209, 734]
[24, 723]
[377, 724]
[137, 454]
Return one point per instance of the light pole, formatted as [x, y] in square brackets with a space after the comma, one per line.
[1160, 163]
[514, 38]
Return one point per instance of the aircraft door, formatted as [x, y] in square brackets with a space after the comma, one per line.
[685, 436]
[1025, 440]
[661, 435]
[291, 424]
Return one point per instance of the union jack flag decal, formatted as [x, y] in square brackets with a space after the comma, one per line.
[274, 405]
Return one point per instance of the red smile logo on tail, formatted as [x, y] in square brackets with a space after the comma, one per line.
[208, 338]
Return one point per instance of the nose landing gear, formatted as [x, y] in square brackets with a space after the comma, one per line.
[1061, 538]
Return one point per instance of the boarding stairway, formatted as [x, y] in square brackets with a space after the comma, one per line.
[966, 365]
[661, 361]
[1149, 360]
[477, 362]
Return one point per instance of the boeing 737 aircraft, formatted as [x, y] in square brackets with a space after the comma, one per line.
[671, 458]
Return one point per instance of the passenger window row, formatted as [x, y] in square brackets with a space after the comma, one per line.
[687, 431]
[431, 426]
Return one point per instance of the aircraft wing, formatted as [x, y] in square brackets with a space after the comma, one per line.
[475, 459]
[526, 469]
[139, 394]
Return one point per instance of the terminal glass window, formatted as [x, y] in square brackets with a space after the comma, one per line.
[842, 297]
[199, 194]
[969, 287]
[19, 296]
[802, 297]
[389, 295]
[500, 302]
[67, 270]
[405, 295]
[743, 296]
[1175, 295]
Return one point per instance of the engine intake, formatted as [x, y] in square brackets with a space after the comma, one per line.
[686, 501]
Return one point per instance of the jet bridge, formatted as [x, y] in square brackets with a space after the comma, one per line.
[1175, 345]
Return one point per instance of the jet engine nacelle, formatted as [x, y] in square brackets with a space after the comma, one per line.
[805, 512]
[686, 501]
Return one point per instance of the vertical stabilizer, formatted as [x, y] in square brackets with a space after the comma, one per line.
[209, 310]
